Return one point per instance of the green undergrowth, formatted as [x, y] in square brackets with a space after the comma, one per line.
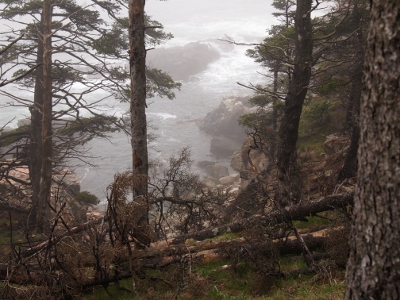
[314, 223]
[315, 140]
[220, 281]
[241, 277]
[6, 238]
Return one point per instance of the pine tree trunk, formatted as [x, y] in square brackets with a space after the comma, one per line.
[288, 131]
[36, 129]
[46, 169]
[373, 269]
[140, 165]
[138, 92]
[349, 168]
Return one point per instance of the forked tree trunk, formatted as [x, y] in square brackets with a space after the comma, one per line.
[288, 131]
[373, 269]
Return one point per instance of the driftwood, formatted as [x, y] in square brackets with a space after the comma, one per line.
[291, 213]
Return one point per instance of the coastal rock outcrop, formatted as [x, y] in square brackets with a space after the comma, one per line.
[183, 61]
[223, 121]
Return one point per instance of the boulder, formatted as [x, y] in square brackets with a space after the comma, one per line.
[182, 62]
[217, 171]
[223, 146]
[334, 144]
[223, 121]
[209, 183]
[229, 180]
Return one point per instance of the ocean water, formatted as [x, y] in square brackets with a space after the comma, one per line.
[189, 21]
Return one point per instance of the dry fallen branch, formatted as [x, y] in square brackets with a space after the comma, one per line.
[291, 213]
[295, 212]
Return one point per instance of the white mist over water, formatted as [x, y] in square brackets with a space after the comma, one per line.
[189, 21]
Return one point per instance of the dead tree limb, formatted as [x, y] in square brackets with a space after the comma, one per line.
[294, 212]
[291, 213]
[77, 229]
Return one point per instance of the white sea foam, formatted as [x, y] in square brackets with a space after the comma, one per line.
[162, 115]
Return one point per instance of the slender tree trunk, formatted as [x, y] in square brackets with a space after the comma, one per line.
[288, 131]
[349, 168]
[373, 269]
[36, 130]
[140, 165]
[138, 93]
[276, 69]
[46, 170]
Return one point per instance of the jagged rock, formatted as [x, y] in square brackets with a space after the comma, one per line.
[223, 121]
[230, 180]
[334, 144]
[182, 62]
[217, 171]
[223, 146]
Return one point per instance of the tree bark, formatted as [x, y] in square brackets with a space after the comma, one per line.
[138, 92]
[349, 168]
[373, 269]
[288, 132]
[47, 146]
[137, 56]
[36, 129]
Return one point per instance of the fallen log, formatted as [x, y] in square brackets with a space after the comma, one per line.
[294, 212]
[202, 253]
[285, 246]
[291, 213]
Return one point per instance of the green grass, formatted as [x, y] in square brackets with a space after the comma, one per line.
[219, 282]
[305, 287]
[225, 236]
[314, 223]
